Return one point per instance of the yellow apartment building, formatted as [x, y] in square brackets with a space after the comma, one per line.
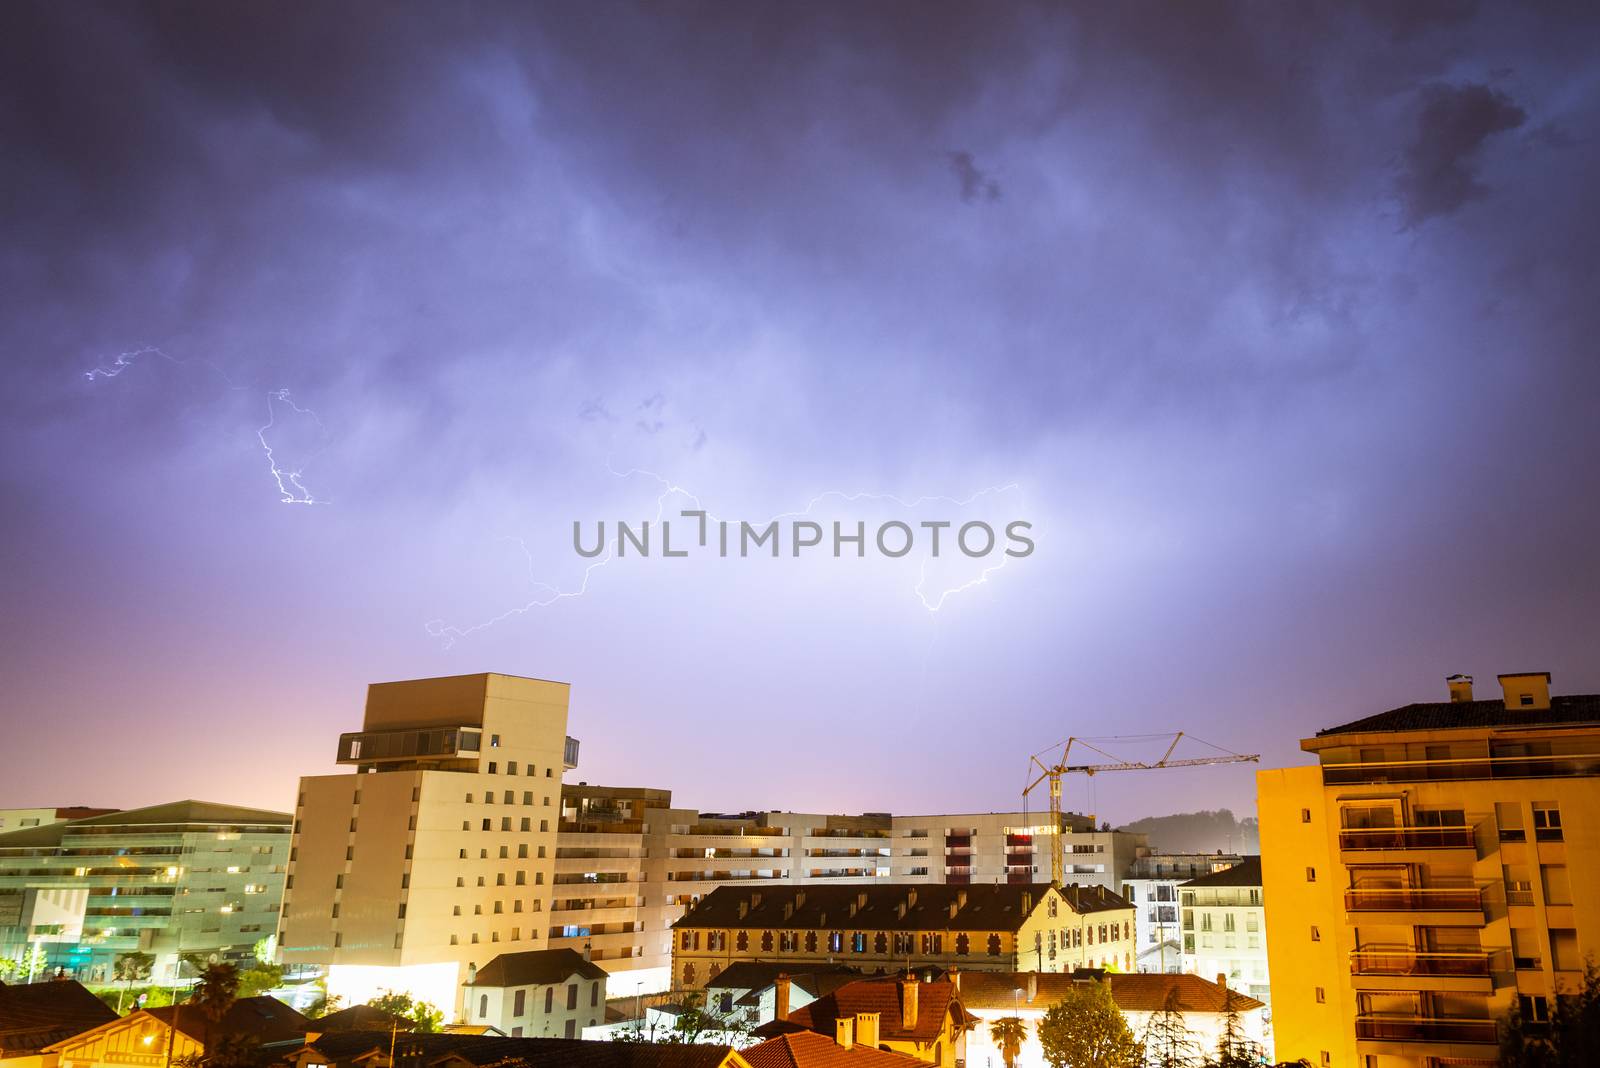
[436, 852]
[1433, 869]
[992, 926]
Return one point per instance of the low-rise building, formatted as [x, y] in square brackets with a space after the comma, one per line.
[1003, 927]
[35, 1016]
[552, 993]
[922, 1020]
[1225, 927]
[1204, 1005]
[179, 1034]
[189, 877]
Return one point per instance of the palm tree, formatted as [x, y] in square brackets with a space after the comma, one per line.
[214, 994]
[1009, 1033]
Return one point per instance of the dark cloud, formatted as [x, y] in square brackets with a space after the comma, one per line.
[1439, 175]
[975, 183]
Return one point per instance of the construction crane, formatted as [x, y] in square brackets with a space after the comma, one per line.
[1052, 773]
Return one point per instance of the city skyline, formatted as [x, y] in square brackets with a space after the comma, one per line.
[322, 335]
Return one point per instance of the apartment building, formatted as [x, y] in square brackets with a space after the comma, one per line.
[1225, 929]
[1430, 871]
[628, 864]
[892, 926]
[189, 877]
[1151, 887]
[436, 852]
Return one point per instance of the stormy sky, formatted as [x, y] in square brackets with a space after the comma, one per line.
[1277, 322]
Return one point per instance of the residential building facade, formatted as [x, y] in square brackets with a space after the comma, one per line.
[540, 993]
[1151, 887]
[1432, 870]
[1225, 928]
[189, 877]
[436, 852]
[888, 926]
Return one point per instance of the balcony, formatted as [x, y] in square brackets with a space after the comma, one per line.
[1424, 1029]
[1368, 838]
[1414, 899]
[1554, 766]
[1403, 961]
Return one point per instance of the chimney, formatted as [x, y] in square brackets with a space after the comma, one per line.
[587, 949]
[780, 998]
[1033, 986]
[1222, 980]
[954, 975]
[1527, 690]
[908, 1002]
[844, 1032]
[1460, 688]
[867, 1029]
[1027, 902]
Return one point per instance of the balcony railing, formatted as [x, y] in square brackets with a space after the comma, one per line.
[1424, 1029]
[1356, 838]
[1414, 899]
[1401, 960]
[1564, 765]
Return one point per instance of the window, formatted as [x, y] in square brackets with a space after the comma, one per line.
[1316, 933]
[1524, 949]
[1557, 885]
[1509, 816]
[572, 1029]
[1305, 815]
[572, 995]
[1535, 1008]
[511, 767]
[1546, 821]
[1564, 950]
[494, 767]
[483, 1006]
[594, 996]
[486, 824]
[549, 999]
[1322, 996]
[494, 743]
[1311, 875]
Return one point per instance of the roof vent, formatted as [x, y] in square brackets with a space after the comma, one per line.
[1460, 688]
[1527, 690]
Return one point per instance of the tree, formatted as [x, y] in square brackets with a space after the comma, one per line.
[1567, 1039]
[259, 979]
[1009, 1033]
[1168, 1043]
[217, 990]
[423, 1016]
[695, 1022]
[1085, 1029]
[132, 967]
[1235, 1049]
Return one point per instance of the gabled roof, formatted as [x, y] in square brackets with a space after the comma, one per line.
[536, 967]
[887, 906]
[935, 1002]
[760, 974]
[1245, 873]
[264, 1018]
[360, 1018]
[36, 1015]
[1566, 711]
[476, 1052]
[1132, 991]
[807, 1049]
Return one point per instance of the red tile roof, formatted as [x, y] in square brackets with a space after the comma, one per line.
[1132, 991]
[935, 1002]
[807, 1049]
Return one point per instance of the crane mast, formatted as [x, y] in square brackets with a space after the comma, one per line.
[1051, 774]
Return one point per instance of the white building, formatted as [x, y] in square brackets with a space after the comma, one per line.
[542, 993]
[1225, 928]
[990, 996]
[1152, 888]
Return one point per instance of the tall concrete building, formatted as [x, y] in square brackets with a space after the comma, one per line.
[1224, 928]
[190, 877]
[1432, 870]
[436, 852]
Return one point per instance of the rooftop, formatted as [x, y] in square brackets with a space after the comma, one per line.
[35, 1015]
[1132, 991]
[536, 967]
[807, 1049]
[1245, 873]
[886, 997]
[888, 906]
[1572, 710]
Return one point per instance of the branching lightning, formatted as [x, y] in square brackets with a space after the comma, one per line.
[550, 594]
[288, 480]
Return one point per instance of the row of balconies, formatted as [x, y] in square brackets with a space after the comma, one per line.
[1396, 1028]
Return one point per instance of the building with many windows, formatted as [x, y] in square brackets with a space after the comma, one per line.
[890, 926]
[1432, 870]
[436, 852]
[1225, 928]
[1151, 887]
[190, 877]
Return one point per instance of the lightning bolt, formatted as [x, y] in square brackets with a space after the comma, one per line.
[290, 489]
[450, 634]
